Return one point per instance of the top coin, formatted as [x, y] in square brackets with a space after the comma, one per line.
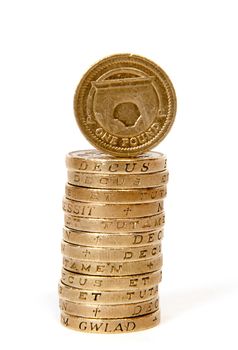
[125, 105]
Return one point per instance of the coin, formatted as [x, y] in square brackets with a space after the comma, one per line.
[96, 239]
[107, 297]
[125, 105]
[101, 210]
[94, 161]
[142, 224]
[110, 326]
[139, 195]
[107, 283]
[120, 181]
[110, 254]
[109, 311]
[104, 268]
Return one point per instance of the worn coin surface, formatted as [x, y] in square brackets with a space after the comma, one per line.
[104, 268]
[125, 105]
[141, 224]
[110, 310]
[109, 253]
[132, 282]
[97, 239]
[110, 326]
[103, 195]
[96, 296]
[97, 162]
[102, 210]
[120, 181]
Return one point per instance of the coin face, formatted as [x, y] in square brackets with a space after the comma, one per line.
[125, 105]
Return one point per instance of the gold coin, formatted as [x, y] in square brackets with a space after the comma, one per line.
[139, 195]
[142, 224]
[125, 105]
[101, 210]
[105, 268]
[109, 311]
[110, 326]
[107, 297]
[120, 181]
[96, 239]
[94, 161]
[111, 283]
[110, 254]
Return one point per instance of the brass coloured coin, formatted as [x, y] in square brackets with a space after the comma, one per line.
[120, 181]
[125, 105]
[101, 210]
[107, 297]
[132, 282]
[110, 254]
[110, 310]
[110, 326]
[142, 224]
[97, 239]
[104, 268]
[94, 161]
[103, 195]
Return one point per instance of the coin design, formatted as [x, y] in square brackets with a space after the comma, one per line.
[125, 105]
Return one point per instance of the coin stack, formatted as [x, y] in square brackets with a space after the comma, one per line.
[113, 203]
[114, 217]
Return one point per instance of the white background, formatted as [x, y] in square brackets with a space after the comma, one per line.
[46, 46]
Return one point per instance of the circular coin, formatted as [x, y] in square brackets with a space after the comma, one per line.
[110, 326]
[97, 239]
[106, 283]
[107, 297]
[104, 268]
[97, 162]
[103, 195]
[110, 310]
[121, 181]
[142, 224]
[125, 105]
[110, 254]
[102, 210]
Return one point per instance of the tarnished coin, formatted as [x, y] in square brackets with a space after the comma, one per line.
[102, 210]
[110, 326]
[103, 195]
[110, 310]
[97, 239]
[96, 296]
[105, 268]
[110, 254]
[120, 181]
[132, 282]
[125, 105]
[97, 162]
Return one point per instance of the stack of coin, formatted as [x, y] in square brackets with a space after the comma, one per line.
[114, 218]
[114, 212]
